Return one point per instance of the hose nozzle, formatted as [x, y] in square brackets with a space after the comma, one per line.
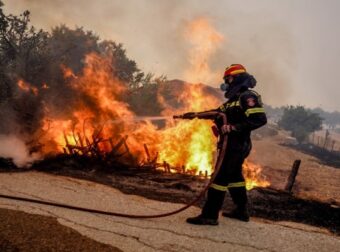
[189, 115]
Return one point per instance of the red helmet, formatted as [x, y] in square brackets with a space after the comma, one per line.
[234, 69]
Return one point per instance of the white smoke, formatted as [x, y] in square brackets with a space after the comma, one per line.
[254, 37]
[13, 147]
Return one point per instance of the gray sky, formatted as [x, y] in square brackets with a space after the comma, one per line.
[292, 47]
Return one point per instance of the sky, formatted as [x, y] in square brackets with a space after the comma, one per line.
[292, 47]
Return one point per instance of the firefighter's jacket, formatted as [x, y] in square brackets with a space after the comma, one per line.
[246, 113]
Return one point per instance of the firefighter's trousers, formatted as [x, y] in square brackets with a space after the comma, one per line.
[228, 178]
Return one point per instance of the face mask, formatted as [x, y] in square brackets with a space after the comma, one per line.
[224, 87]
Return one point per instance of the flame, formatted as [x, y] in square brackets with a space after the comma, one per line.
[253, 176]
[25, 86]
[188, 145]
[204, 41]
[98, 113]
[191, 143]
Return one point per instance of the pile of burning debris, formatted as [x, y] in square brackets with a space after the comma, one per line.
[115, 152]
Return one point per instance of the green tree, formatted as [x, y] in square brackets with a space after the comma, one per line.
[70, 46]
[22, 47]
[300, 122]
[331, 119]
[23, 54]
[123, 68]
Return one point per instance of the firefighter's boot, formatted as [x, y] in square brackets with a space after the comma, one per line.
[240, 213]
[200, 220]
[239, 196]
[210, 210]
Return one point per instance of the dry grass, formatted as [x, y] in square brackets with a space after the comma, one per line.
[315, 180]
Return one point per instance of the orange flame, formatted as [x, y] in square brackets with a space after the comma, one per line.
[190, 143]
[27, 87]
[253, 176]
[204, 41]
[105, 116]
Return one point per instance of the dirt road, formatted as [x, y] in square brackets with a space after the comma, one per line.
[165, 234]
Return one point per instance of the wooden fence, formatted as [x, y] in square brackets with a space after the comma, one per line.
[326, 142]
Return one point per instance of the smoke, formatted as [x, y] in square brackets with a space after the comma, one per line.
[204, 42]
[13, 147]
[15, 132]
[152, 32]
[181, 39]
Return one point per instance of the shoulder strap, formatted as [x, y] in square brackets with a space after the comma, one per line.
[250, 92]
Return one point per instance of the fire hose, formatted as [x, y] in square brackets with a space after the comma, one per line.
[202, 115]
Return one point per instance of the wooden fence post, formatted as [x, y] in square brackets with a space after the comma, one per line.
[292, 176]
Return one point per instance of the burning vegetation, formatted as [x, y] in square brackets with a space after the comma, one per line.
[69, 93]
[101, 124]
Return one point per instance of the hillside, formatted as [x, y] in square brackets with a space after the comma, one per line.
[315, 180]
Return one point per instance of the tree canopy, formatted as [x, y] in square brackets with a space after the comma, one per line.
[331, 119]
[300, 122]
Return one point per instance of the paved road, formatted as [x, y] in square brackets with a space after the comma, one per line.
[164, 234]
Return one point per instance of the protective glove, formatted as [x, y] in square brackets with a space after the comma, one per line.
[227, 128]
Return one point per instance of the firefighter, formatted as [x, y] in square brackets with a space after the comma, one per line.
[245, 113]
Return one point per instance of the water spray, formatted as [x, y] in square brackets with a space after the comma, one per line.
[142, 119]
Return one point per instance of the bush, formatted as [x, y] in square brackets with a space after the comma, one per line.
[300, 122]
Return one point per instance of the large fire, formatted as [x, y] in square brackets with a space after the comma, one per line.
[98, 114]
[188, 144]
